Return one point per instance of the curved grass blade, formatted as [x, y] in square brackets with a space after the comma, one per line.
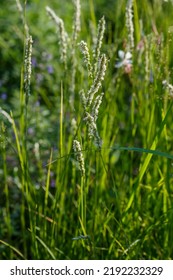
[46, 248]
[143, 150]
[13, 248]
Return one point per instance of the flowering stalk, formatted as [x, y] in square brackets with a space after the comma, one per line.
[62, 33]
[91, 106]
[76, 22]
[99, 40]
[98, 79]
[129, 24]
[80, 158]
[85, 51]
[21, 11]
[92, 129]
[83, 98]
[96, 106]
[27, 67]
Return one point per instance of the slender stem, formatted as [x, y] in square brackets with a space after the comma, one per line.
[83, 202]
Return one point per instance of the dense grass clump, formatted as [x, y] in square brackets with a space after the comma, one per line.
[86, 130]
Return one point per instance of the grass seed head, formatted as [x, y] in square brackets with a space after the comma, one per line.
[85, 51]
[99, 40]
[63, 37]
[129, 25]
[77, 149]
[76, 21]
[98, 79]
[27, 66]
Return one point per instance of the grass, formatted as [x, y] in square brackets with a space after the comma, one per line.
[86, 175]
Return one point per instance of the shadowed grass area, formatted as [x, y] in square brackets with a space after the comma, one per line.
[86, 130]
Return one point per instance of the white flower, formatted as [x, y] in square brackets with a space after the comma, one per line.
[169, 87]
[124, 59]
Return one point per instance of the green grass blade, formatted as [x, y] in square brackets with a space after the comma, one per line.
[147, 160]
[46, 248]
[13, 249]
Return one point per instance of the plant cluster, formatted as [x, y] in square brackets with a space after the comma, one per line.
[86, 130]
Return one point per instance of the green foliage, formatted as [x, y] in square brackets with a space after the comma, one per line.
[108, 201]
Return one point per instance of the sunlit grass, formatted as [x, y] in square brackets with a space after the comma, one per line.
[86, 152]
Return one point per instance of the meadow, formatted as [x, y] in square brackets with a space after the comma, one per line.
[86, 132]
